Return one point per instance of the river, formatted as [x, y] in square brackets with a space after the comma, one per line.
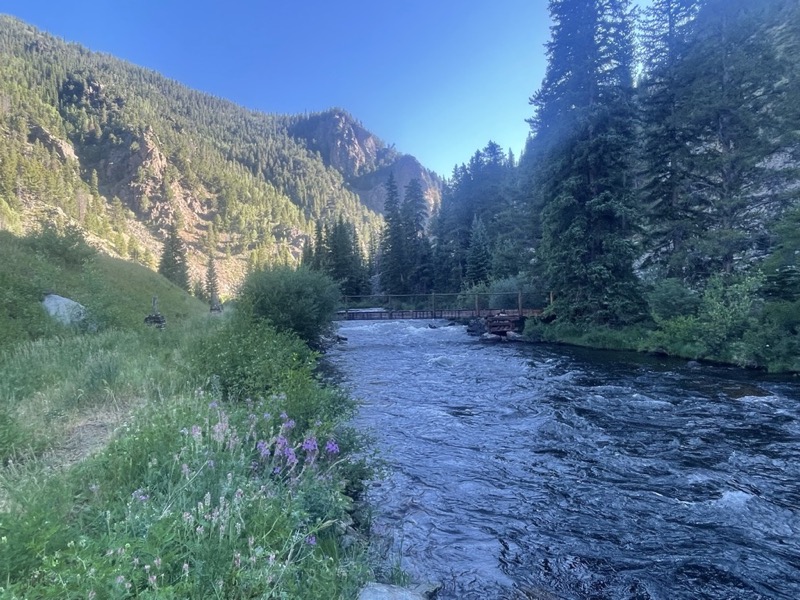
[525, 471]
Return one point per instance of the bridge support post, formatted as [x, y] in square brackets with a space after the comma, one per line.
[433, 305]
[519, 303]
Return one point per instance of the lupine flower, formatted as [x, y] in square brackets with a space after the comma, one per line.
[291, 458]
[263, 449]
[197, 433]
[310, 444]
[140, 495]
[284, 416]
[185, 470]
[311, 540]
[331, 447]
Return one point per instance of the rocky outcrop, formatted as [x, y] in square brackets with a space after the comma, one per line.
[381, 591]
[363, 159]
[64, 310]
[371, 188]
[61, 148]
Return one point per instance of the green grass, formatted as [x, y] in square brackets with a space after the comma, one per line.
[202, 461]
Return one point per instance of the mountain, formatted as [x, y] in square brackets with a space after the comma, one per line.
[364, 160]
[122, 152]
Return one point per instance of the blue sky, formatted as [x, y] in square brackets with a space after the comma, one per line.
[437, 78]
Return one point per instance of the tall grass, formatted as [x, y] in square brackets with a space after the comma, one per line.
[228, 472]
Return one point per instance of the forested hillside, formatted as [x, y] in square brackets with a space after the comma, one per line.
[657, 202]
[125, 153]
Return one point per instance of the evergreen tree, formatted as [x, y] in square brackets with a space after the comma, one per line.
[173, 264]
[584, 129]
[394, 264]
[212, 283]
[479, 259]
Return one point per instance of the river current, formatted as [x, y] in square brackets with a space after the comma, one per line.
[527, 471]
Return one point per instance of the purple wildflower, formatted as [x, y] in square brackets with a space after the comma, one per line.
[263, 449]
[140, 495]
[291, 458]
[331, 447]
[311, 540]
[197, 433]
[284, 416]
[310, 444]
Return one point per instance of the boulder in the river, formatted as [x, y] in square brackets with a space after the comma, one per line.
[513, 336]
[64, 310]
[491, 337]
[382, 591]
[476, 327]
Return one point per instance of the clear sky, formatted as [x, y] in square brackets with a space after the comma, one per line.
[437, 78]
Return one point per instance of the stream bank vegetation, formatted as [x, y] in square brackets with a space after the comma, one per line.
[205, 460]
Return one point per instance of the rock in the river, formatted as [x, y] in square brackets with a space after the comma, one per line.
[476, 327]
[513, 336]
[64, 310]
[491, 337]
[381, 591]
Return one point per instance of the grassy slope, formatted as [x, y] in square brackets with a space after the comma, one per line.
[119, 477]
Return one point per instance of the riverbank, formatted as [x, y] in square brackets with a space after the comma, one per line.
[744, 349]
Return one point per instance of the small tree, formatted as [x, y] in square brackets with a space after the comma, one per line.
[212, 283]
[173, 264]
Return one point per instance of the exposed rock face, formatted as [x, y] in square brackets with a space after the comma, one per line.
[62, 148]
[363, 159]
[372, 191]
[64, 310]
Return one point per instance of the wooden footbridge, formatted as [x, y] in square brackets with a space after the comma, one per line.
[502, 312]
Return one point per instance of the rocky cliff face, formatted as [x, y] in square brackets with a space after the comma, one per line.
[363, 159]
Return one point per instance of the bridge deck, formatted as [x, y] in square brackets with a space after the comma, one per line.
[390, 315]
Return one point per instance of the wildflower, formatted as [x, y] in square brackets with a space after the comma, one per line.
[120, 579]
[197, 433]
[213, 404]
[140, 495]
[94, 488]
[157, 562]
[185, 470]
[237, 560]
[186, 569]
[218, 431]
[200, 529]
[281, 443]
[291, 458]
[310, 444]
[152, 580]
[331, 447]
[288, 425]
[263, 449]
[311, 540]
[284, 416]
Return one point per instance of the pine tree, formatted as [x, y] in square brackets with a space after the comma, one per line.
[479, 258]
[394, 261]
[212, 283]
[673, 216]
[173, 264]
[584, 131]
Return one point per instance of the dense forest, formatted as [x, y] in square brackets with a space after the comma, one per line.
[655, 206]
[657, 202]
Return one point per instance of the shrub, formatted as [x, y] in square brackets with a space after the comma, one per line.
[670, 298]
[299, 301]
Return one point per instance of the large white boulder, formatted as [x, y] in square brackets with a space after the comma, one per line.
[64, 310]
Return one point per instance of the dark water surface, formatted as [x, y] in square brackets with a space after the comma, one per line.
[519, 471]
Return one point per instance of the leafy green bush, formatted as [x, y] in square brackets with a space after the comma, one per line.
[670, 298]
[300, 301]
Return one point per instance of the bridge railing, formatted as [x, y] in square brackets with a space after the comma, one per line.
[445, 306]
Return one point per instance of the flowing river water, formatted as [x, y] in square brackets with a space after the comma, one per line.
[527, 471]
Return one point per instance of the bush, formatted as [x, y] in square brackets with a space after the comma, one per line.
[300, 301]
[670, 298]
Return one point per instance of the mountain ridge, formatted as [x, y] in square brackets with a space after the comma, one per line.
[122, 151]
